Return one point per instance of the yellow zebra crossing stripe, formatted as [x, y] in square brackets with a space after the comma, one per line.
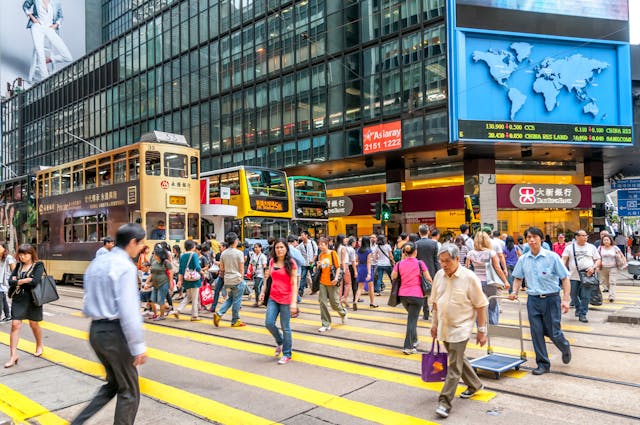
[22, 409]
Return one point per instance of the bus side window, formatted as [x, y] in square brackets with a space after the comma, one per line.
[44, 231]
[156, 228]
[152, 163]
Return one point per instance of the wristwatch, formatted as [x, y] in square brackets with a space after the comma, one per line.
[482, 329]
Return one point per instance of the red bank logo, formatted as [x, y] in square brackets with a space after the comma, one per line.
[527, 195]
[164, 184]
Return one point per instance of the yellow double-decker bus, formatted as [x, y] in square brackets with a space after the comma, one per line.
[261, 196]
[154, 182]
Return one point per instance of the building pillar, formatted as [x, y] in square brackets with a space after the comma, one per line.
[594, 168]
[481, 202]
[395, 176]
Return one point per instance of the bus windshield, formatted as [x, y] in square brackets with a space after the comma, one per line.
[272, 183]
[310, 191]
[261, 228]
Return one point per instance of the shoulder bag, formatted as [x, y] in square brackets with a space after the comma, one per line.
[336, 270]
[44, 292]
[585, 280]
[424, 283]
[268, 282]
[492, 276]
[621, 261]
[395, 288]
[191, 275]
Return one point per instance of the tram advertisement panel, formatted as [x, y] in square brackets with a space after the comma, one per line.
[72, 225]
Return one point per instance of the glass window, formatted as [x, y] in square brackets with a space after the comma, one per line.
[120, 168]
[55, 183]
[266, 182]
[193, 229]
[134, 165]
[152, 163]
[92, 228]
[232, 181]
[78, 232]
[262, 228]
[156, 228]
[77, 178]
[175, 165]
[68, 229]
[65, 180]
[214, 187]
[104, 170]
[102, 226]
[194, 168]
[176, 227]
[90, 175]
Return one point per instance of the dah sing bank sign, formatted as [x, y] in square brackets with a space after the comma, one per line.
[382, 137]
[537, 196]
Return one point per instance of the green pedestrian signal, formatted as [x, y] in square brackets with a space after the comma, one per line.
[376, 208]
[386, 212]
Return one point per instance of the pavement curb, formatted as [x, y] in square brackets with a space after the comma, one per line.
[626, 315]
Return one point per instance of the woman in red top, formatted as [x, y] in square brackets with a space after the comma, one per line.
[282, 298]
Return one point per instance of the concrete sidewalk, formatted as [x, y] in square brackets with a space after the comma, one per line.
[629, 314]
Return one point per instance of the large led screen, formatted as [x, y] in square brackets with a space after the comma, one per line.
[39, 38]
[602, 9]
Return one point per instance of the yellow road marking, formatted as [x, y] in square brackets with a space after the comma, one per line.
[318, 398]
[20, 409]
[193, 403]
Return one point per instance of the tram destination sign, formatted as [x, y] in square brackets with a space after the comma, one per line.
[521, 132]
[539, 196]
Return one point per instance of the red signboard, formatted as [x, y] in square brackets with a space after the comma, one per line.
[382, 137]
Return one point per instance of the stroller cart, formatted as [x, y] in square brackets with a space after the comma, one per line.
[496, 362]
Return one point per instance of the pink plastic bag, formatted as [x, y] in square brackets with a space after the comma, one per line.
[206, 295]
[434, 365]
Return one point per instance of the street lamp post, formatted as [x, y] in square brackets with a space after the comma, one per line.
[62, 130]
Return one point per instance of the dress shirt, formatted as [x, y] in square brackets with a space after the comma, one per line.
[111, 292]
[541, 271]
[457, 298]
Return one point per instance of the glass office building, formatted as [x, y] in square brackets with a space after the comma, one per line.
[274, 83]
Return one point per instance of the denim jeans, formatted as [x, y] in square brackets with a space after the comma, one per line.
[282, 338]
[257, 286]
[580, 297]
[413, 305]
[5, 305]
[218, 288]
[494, 307]
[303, 279]
[544, 320]
[234, 301]
[381, 271]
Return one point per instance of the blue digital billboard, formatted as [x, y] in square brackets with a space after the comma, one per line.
[533, 88]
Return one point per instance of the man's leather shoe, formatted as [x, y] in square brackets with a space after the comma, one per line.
[540, 371]
[566, 356]
[583, 319]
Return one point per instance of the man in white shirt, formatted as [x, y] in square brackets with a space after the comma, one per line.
[581, 257]
[116, 327]
[498, 245]
[468, 240]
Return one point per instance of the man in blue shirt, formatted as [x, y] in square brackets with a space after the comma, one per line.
[542, 269]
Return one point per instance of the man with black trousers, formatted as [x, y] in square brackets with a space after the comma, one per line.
[116, 324]
[427, 252]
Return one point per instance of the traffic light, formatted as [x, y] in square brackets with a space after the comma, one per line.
[386, 212]
[376, 210]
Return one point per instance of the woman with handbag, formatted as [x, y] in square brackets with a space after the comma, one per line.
[190, 279]
[612, 261]
[330, 278]
[281, 298]
[410, 292]
[345, 261]
[8, 264]
[364, 272]
[485, 262]
[161, 280]
[26, 276]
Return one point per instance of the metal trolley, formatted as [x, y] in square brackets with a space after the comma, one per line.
[496, 362]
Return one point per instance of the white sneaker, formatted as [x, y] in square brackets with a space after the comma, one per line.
[278, 350]
[344, 319]
[324, 329]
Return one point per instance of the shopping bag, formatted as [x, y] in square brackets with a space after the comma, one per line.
[206, 295]
[434, 365]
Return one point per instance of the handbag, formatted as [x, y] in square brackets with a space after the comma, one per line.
[492, 276]
[191, 275]
[267, 291]
[434, 365]
[395, 289]
[45, 292]
[336, 270]
[621, 261]
[585, 280]
[596, 296]
[424, 283]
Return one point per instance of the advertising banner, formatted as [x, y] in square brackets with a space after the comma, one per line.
[382, 137]
[604, 9]
[38, 38]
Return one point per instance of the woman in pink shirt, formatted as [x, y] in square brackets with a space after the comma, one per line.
[410, 293]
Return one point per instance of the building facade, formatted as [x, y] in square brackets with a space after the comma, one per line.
[295, 85]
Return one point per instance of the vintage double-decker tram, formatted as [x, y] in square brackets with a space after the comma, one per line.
[18, 211]
[310, 209]
[154, 182]
[261, 196]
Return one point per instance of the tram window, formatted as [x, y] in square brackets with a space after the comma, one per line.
[102, 226]
[176, 226]
[175, 165]
[92, 228]
[68, 229]
[90, 175]
[78, 232]
[156, 228]
[134, 165]
[193, 226]
[44, 231]
[152, 163]
[45, 184]
[194, 168]
[104, 170]
[78, 183]
[120, 168]
[66, 181]
[17, 192]
[55, 183]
